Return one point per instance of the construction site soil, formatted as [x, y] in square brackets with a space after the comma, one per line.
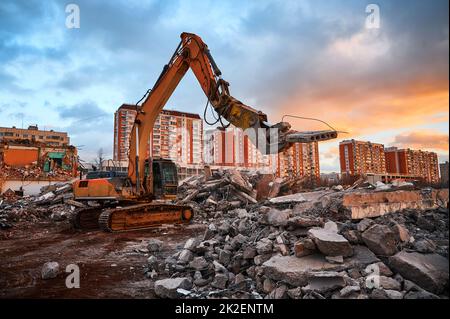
[110, 264]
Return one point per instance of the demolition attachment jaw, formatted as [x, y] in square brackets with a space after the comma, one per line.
[280, 137]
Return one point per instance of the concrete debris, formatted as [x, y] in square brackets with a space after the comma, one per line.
[429, 271]
[262, 238]
[309, 245]
[55, 203]
[50, 270]
[381, 240]
[330, 243]
[168, 288]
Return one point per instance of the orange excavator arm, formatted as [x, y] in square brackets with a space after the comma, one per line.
[193, 53]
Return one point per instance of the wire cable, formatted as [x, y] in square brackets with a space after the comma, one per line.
[311, 119]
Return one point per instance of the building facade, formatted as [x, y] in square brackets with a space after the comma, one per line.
[443, 168]
[233, 148]
[176, 135]
[416, 163]
[361, 157]
[123, 123]
[33, 134]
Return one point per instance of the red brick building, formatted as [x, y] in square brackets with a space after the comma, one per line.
[413, 162]
[361, 157]
[176, 135]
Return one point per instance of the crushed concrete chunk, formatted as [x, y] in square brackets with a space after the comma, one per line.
[430, 271]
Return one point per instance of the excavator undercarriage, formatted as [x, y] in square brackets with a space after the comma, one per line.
[138, 216]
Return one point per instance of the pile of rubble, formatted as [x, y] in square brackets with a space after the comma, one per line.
[32, 172]
[311, 245]
[55, 202]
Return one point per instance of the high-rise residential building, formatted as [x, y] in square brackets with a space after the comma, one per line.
[443, 168]
[233, 148]
[301, 159]
[361, 157]
[179, 137]
[123, 124]
[34, 134]
[416, 163]
[176, 135]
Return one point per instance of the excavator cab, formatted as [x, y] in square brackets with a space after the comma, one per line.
[165, 178]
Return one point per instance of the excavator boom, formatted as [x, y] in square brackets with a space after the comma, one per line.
[193, 53]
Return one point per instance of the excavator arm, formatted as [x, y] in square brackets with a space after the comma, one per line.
[193, 53]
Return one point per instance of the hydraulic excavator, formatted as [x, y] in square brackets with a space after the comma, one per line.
[151, 180]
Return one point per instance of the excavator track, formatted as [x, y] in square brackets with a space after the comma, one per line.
[87, 218]
[143, 216]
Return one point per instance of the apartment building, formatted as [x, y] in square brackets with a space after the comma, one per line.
[123, 124]
[233, 148]
[302, 159]
[420, 164]
[361, 157]
[176, 135]
[33, 134]
[443, 168]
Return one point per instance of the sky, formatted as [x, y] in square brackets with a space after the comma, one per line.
[307, 58]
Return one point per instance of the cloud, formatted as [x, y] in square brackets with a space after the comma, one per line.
[422, 140]
[311, 58]
[86, 111]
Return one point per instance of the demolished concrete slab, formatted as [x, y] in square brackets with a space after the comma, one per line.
[330, 243]
[429, 271]
[295, 271]
[374, 204]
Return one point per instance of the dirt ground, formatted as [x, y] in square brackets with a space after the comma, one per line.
[111, 265]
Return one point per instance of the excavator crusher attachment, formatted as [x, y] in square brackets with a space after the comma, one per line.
[143, 216]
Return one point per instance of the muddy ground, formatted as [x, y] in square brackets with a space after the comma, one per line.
[111, 265]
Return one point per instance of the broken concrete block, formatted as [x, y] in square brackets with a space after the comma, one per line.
[220, 281]
[191, 244]
[389, 283]
[348, 290]
[185, 256]
[249, 253]
[401, 233]
[288, 199]
[278, 293]
[167, 288]
[264, 246]
[335, 259]
[378, 268]
[430, 271]
[50, 270]
[394, 294]
[304, 247]
[364, 224]
[425, 246]
[324, 281]
[199, 263]
[380, 239]
[330, 243]
[154, 245]
[276, 217]
[294, 270]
